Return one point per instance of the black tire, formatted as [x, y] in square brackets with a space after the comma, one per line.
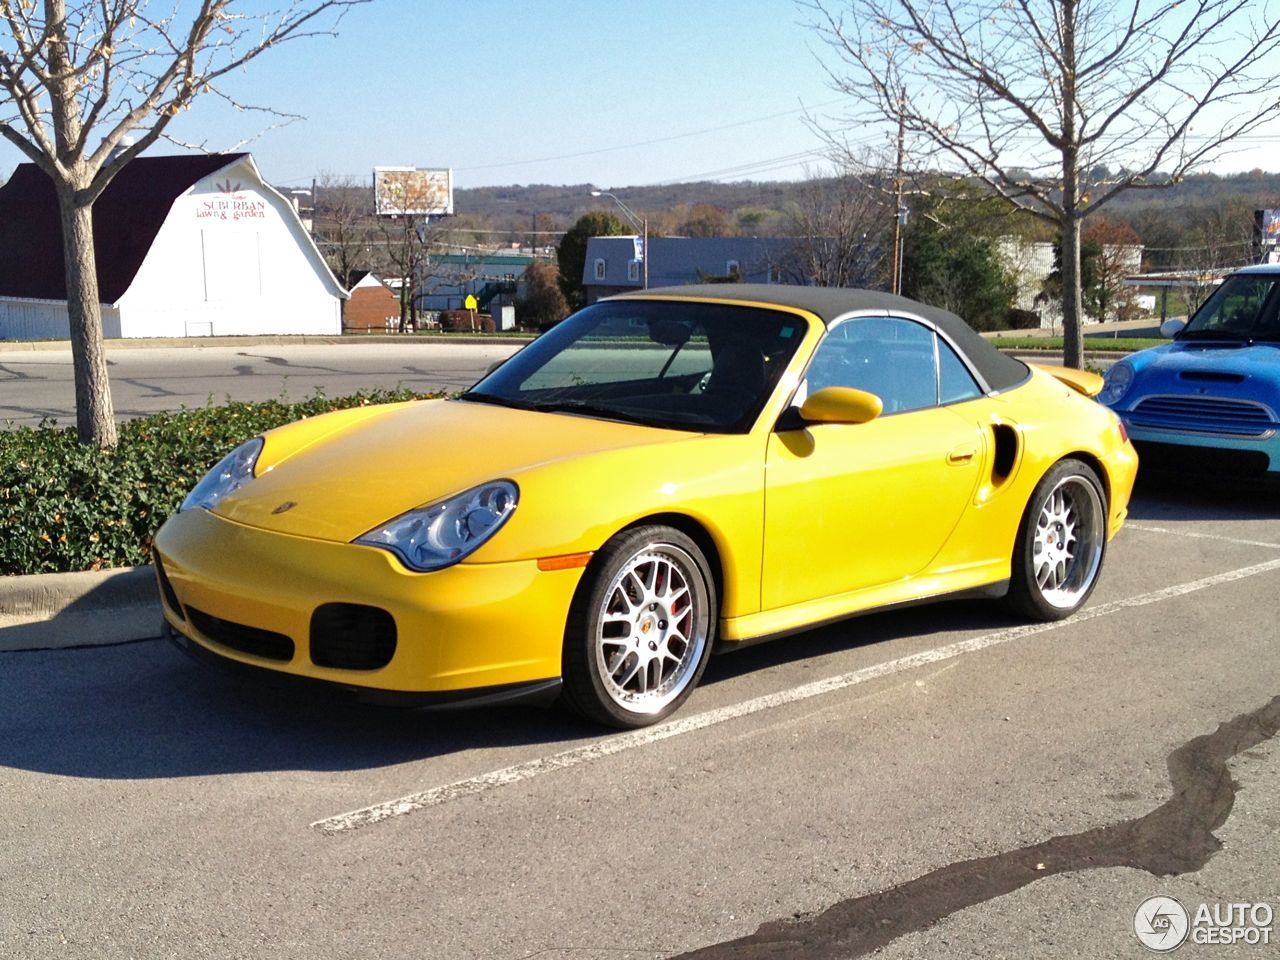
[640, 628]
[1058, 554]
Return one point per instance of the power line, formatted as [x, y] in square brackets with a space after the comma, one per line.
[655, 140]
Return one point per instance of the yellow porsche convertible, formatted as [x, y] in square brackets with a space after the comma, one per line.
[660, 474]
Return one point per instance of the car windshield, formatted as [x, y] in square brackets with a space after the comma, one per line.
[1244, 307]
[682, 365]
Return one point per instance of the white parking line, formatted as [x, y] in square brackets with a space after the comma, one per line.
[1201, 536]
[587, 753]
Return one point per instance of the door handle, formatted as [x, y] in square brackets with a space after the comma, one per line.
[961, 455]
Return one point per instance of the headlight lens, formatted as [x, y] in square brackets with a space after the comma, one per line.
[441, 534]
[1116, 383]
[230, 473]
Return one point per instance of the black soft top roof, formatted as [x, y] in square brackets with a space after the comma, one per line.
[830, 303]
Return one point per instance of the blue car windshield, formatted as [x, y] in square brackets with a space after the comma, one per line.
[1245, 307]
[682, 365]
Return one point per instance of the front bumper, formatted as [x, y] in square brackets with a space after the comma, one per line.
[1203, 452]
[475, 628]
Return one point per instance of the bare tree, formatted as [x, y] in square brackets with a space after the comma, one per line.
[441, 271]
[840, 227]
[344, 225]
[78, 78]
[1033, 96]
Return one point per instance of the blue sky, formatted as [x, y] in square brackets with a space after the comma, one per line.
[545, 91]
[491, 87]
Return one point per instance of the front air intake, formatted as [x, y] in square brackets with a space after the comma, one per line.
[239, 636]
[352, 636]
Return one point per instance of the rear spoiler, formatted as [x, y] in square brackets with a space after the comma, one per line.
[1081, 381]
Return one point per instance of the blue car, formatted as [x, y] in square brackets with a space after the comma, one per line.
[1208, 400]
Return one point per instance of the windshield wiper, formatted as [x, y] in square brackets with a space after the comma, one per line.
[590, 409]
[494, 399]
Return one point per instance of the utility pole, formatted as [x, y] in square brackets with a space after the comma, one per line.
[895, 283]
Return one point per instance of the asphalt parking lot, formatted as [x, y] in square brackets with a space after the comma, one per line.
[943, 781]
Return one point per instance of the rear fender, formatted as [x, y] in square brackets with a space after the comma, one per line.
[1081, 381]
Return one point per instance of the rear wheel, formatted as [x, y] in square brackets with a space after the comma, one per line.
[640, 628]
[1060, 547]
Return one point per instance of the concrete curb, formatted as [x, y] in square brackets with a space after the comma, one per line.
[54, 611]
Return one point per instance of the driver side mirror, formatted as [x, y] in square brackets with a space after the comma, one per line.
[834, 405]
[1171, 328]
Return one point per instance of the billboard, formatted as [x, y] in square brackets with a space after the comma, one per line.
[1269, 223]
[412, 192]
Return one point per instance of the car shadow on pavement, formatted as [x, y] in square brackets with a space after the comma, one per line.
[1164, 496]
[144, 710]
[860, 631]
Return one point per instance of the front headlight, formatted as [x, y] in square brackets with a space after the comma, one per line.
[440, 534]
[1116, 383]
[230, 473]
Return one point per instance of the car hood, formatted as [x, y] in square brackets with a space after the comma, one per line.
[338, 482]
[1243, 359]
[1228, 371]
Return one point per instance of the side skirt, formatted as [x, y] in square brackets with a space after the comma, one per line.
[990, 591]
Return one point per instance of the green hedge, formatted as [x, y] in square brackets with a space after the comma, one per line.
[1091, 344]
[66, 507]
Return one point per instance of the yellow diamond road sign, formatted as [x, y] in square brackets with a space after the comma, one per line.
[470, 303]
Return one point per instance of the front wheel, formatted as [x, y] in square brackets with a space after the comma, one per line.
[1060, 546]
[640, 628]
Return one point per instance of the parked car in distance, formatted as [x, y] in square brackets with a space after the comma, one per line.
[662, 473]
[1208, 401]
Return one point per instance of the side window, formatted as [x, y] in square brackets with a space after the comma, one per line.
[890, 357]
[955, 382]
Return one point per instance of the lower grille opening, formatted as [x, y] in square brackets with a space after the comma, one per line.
[238, 636]
[167, 591]
[352, 636]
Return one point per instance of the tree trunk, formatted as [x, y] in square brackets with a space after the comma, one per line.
[1072, 301]
[95, 420]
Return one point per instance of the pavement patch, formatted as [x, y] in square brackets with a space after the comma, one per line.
[1175, 838]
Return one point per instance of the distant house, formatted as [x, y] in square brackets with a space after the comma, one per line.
[186, 246]
[614, 265]
[373, 307]
[1031, 262]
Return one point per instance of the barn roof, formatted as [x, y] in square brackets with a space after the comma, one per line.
[126, 218]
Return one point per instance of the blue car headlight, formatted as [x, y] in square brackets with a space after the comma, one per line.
[230, 473]
[1116, 383]
[441, 534]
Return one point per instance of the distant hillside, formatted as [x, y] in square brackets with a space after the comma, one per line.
[566, 203]
[1160, 215]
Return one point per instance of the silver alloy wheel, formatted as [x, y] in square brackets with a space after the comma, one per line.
[652, 629]
[1068, 542]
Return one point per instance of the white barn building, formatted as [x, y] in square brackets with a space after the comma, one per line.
[186, 246]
